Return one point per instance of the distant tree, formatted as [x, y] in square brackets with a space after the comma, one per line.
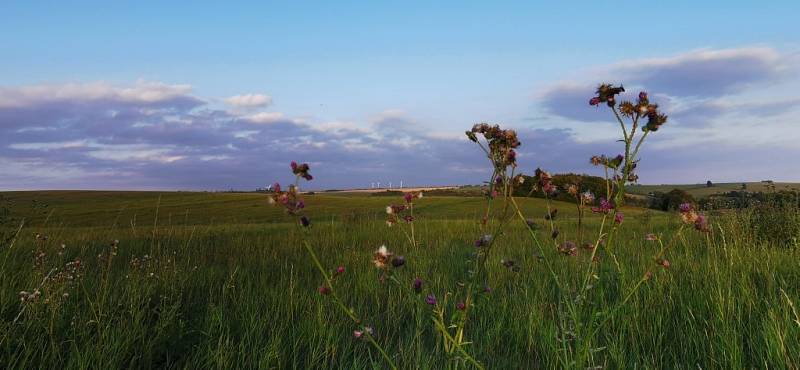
[709, 184]
[670, 201]
[744, 186]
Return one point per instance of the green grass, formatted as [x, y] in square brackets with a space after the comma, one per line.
[229, 286]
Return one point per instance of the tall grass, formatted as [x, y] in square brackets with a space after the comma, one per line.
[245, 296]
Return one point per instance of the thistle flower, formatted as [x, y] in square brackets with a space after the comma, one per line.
[301, 170]
[408, 197]
[552, 214]
[398, 261]
[461, 306]
[305, 221]
[568, 248]
[605, 206]
[381, 257]
[324, 290]
[572, 189]
[483, 241]
[597, 160]
[431, 299]
[587, 197]
[340, 270]
[619, 217]
[417, 285]
[664, 263]
[701, 224]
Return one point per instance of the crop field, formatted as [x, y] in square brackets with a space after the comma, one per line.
[222, 280]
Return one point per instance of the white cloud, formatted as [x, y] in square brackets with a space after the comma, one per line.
[141, 92]
[249, 101]
[265, 117]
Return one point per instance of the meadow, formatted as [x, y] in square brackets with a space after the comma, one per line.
[220, 280]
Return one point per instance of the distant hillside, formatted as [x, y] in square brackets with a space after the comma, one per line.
[701, 190]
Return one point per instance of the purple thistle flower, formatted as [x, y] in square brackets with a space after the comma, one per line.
[408, 197]
[305, 221]
[461, 306]
[323, 290]
[685, 207]
[340, 270]
[431, 300]
[618, 217]
[276, 187]
[293, 165]
[417, 285]
[594, 101]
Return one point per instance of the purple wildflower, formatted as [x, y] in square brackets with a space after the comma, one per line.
[431, 300]
[417, 285]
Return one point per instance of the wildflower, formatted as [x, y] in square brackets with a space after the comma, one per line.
[398, 261]
[324, 290]
[551, 215]
[605, 206]
[305, 221]
[381, 257]
[483, 241]
[389, 210]
[408, 197]
[509, 264]
[417, 285]
[431, 299]
[685, 207]
[627, 109]
[340, 270]
[664, 263]
[618, 217]
[572, 189]
[597, 160]
[651, 237]
[531, 223]
[606, 94]
[461, 306]
[701, 224]
[587, 197]
[366, 330]
[648, 275]
[276, 187]
[301, 170]
[554, 234]
[408, 218]
[568, 248]
[487, 289]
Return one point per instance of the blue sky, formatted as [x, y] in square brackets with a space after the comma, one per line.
[94, 95]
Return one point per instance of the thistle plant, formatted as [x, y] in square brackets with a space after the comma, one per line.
[579, 319]
[624, 166]
[293, 204]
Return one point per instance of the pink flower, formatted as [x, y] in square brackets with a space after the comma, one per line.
[431, 300]
[618, 217]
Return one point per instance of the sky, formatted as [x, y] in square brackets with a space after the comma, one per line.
[214, 96]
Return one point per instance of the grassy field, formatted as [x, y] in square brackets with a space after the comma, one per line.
[217, 280]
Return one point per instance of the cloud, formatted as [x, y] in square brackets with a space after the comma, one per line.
[249, 100]
[698, 78]
[152, 135]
